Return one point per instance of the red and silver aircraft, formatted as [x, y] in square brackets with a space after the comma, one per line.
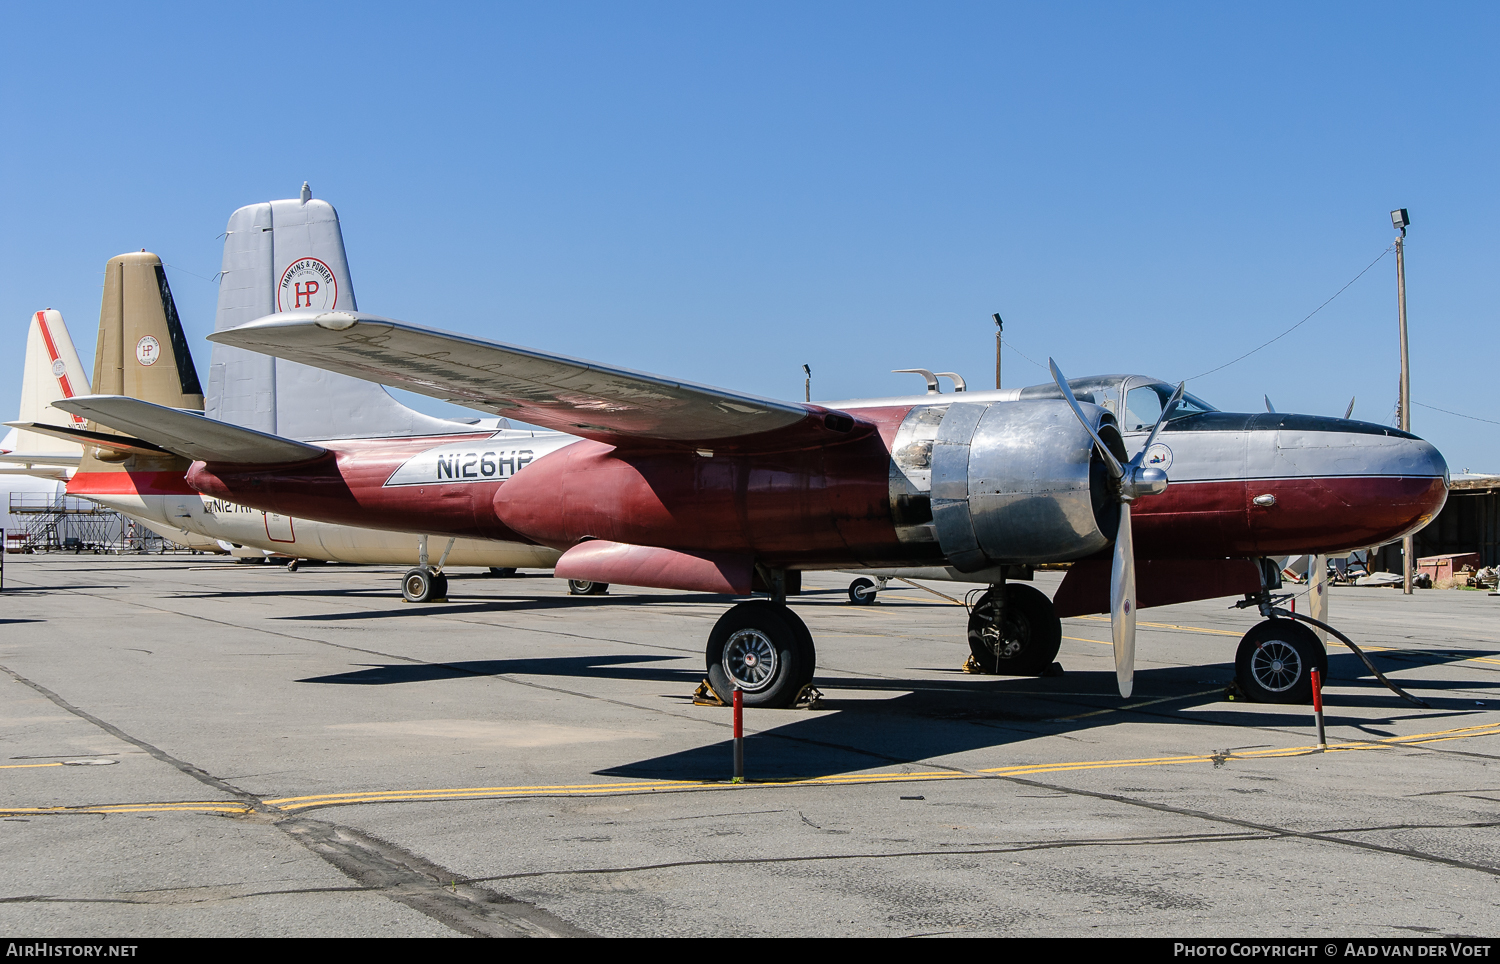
[683, 486]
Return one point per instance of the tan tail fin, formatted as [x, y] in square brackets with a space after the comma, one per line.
[142, 351]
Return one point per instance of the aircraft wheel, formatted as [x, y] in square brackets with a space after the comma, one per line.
[419, 585]
[582, 587]
[440, 585]
[763, 648]
[1275, 660]
[861, 592]
[504, 572]
[292, 566]
[1026, 643]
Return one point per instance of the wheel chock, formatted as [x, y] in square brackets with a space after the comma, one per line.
[807, 698]
[704, 695]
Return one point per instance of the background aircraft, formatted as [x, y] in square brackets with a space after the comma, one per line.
[276, 252]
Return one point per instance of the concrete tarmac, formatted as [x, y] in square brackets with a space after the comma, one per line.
[194, 747]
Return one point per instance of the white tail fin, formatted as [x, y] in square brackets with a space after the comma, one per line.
[281, 255]
[52, 372]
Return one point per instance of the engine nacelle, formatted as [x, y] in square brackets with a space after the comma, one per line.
[1008, 482]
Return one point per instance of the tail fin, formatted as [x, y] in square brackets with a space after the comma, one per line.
[52, 372]
[142, 351]
[278, 256]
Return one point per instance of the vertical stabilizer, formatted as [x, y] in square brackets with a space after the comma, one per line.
[52, 372]
[142, 351]
[281, 255]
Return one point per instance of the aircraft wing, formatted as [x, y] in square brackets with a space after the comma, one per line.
[184, 433]
[567, 394]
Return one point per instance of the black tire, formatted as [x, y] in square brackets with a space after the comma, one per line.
[769, 654]
[1275, 660]
[582, 587]
[808, 654]
[861, 592]
[440, 586]
[417, 586]
[1032, 633]
[502, 572]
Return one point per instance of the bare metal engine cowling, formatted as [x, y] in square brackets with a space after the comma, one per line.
[1020, 482]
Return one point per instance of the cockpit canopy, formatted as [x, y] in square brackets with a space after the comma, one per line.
[1144, 398]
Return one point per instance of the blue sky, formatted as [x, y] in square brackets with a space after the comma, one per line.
[723, 192]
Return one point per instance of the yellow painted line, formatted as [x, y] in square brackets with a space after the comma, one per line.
[845, 779]
[24, 766]
[189, 807]
[1080, 639]
[1190, 629]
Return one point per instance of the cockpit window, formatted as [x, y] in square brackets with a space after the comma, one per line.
[1144, 403]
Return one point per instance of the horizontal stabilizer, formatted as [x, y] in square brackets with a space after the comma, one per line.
[622, 565]
[567, 394]
[115, 443]
[187, 434]
[37, 458]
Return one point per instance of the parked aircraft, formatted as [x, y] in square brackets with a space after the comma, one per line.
[143, 354]
[684, 486]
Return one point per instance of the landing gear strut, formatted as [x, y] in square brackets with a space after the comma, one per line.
[1014, 631]
[426, 583]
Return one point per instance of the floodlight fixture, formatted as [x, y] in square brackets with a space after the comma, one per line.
[1399, 220]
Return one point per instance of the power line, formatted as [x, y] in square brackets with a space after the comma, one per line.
[1024, 355]
[1474, 418]
[1303, 321]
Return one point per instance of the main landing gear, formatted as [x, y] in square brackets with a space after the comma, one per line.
[1013, 631]
[762, 649]
[426, 583]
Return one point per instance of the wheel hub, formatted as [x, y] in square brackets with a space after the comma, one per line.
[1276, 666]
[750, 660]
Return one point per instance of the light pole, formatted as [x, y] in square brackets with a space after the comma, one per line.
[999, 328]
[1399, 221]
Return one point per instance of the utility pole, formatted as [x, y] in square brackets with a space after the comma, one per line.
[807, 385]
[999, 328]
[1399, 221]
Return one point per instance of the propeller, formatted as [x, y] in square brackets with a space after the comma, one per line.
[1131, 481]
[1350, 410]
[1269, 407]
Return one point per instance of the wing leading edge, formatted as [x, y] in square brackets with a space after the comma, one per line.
[584, 398]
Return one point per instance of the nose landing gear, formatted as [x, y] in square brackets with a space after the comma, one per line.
[1275, 661]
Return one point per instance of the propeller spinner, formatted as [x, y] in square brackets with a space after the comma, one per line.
[1131, 481]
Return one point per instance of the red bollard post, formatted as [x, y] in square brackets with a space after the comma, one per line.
[739, 735]
[1317, 688]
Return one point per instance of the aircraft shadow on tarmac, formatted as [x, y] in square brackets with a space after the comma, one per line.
[932, 719]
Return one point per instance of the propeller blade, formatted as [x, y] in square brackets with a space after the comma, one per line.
[1115, 468]
[1269, 407]
[1350, 410]
[1122, 604]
